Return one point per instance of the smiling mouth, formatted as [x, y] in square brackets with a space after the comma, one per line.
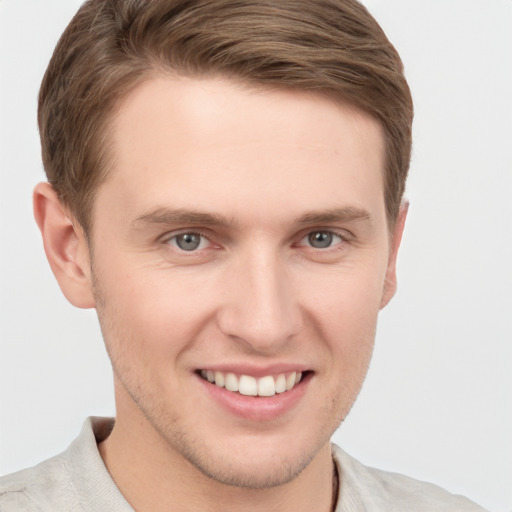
[247, 385]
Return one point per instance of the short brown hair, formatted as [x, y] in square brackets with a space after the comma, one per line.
[331, 47]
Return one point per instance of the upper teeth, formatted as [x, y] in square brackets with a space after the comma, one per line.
[251, 386]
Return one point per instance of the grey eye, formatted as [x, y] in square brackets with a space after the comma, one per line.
[320, 239]
[188, 241]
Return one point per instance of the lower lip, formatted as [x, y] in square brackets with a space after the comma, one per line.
[257, 408]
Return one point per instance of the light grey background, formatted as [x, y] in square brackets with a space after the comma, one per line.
[437, 402]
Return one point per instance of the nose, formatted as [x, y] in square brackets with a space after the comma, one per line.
[260, 307]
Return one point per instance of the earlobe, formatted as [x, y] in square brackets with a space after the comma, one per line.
[65, 246]
[391, 281]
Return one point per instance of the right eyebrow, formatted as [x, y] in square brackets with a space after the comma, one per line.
[167, 216]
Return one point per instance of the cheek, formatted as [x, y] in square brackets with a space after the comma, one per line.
[345, 316]
[344, 299]
[151, 315]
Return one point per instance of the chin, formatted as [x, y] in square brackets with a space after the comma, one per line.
[250, 472]
[259, 460]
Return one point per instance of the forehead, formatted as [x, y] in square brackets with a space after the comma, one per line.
[214, 141]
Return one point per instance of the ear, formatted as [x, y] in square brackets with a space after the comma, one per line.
[65, 245]
[396, 238]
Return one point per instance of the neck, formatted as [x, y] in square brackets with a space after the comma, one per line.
[155, 478]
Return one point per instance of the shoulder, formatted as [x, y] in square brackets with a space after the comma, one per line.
[34, 489]
[370, 489]
[74, 481]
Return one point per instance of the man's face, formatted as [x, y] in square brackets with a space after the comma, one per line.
[241, 235]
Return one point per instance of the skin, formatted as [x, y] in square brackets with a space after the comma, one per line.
[255, 296]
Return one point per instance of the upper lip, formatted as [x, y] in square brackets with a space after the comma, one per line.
[255, 370]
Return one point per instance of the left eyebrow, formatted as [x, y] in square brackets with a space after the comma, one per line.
[348, 214]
